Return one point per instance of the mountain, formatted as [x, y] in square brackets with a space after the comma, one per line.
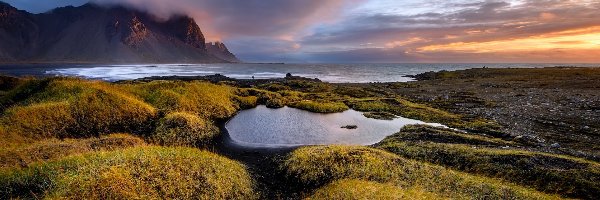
[96, 34]
[219, 50]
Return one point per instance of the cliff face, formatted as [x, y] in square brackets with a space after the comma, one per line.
[96, 34]
[219, 50]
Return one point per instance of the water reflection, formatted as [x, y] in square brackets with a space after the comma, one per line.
[264, 127]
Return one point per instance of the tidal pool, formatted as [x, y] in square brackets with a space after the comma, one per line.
[266, 127]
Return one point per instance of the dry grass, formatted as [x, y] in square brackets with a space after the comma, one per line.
[134, 173]
[207, 100]
[320, 165]
[184, 129]
[67, 107]
[568, 176]
[358, 189]
[320, 106]
[51, 149]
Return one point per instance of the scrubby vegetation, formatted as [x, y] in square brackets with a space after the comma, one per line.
[207, 100]
[321, 107]
[571, 177]
[62, 138]
[67, 107]
[184, 129]
[357, 189]
[135, 173]
[51, 149]
[320, 165]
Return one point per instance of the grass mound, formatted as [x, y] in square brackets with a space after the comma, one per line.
[357, 189]
[207, 100]
[134, 173]
[184, 129]
[67, 107]
[51, 149]
[571, 177]
[320, 165]
[320, 107]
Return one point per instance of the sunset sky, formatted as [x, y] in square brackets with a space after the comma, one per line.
[563, 31]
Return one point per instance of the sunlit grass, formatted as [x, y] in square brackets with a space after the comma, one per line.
[572, 177]
[319, 165]
[184, 129]
[321, 107]
[50, 149]
[201, 98]
[358, 189]
[135, 173]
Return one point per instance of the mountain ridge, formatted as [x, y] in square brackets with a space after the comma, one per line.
[102, 34]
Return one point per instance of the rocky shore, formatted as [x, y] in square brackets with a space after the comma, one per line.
[557, 109]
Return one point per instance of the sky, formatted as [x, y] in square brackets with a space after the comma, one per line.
[387, 31]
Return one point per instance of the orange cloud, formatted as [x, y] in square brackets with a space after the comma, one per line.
[580, 39]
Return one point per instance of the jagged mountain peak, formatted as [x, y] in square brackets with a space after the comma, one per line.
[98, 33]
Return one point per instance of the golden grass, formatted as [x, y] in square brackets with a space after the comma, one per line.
[67, 107]
[41, 120]
[51, 149]
[568, 176]
[134, 173]
[184, 129]
[320, 165]
[207, 100]
[320, 107]
[358, 189]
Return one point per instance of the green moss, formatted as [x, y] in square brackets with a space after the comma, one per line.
[320, 165]
[134, 173]
[321, 107]
[51, 149]
[184, 129]
[358, 189]
[563, 175]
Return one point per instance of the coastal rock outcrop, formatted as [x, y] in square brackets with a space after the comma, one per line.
[219, 50]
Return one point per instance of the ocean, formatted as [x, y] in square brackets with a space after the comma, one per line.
[335, 73]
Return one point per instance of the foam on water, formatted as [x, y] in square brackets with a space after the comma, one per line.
[337, 73]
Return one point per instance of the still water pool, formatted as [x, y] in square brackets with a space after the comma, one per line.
[266, 127]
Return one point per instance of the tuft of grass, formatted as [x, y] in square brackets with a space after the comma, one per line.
[275, 103]
[42, 120]
[184, 129]
[68, 107]
[134, 173]
[104, 111]
[246, 102]
[205, 99]
[320, 107]
[319, 165]
[359, 189]
[380, 115]
[51, 149]
[555, 174]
